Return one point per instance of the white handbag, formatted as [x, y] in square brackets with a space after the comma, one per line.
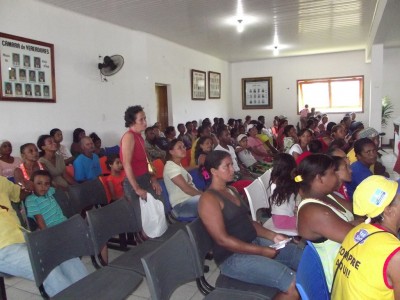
[154, 222]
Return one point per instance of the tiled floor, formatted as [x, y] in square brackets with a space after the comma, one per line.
[21, 289]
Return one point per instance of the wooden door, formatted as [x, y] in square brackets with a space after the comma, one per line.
[162, 102]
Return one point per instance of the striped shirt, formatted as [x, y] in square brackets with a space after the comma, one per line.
[46, 206]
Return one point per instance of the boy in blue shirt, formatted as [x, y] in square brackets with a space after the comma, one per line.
[41, 205]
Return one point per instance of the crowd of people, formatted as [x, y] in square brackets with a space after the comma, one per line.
[319, 170]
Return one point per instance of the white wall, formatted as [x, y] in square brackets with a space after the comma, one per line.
[391, 85]
[82, 99]
[285, 72]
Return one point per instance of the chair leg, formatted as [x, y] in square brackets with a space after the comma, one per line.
[3, 295]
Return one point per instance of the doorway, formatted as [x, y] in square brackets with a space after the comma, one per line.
[162, 103]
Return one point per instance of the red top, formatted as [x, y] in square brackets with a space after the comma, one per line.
[138, 161]
[117, 184]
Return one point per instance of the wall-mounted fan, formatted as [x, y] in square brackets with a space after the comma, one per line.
[111, 65]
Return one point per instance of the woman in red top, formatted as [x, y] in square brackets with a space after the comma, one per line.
[139, 181]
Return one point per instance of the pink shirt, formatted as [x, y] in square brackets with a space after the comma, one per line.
[257, 144]
[304, 112]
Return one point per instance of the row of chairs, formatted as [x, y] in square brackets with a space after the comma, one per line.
[79, 238]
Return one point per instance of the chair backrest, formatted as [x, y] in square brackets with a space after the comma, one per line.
[257, 197]
[169, 266]
[52, 246]
[165, 196]
[198, 179]
[201, 241]
[87, 194]
[264, 179]
[112, 219]
[103, 165]
[64, 201]
[159, 166]
[310, 277]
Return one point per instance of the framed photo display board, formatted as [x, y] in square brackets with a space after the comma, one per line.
[198, 82]
[26, 70]
[214, 85]
[257, 93]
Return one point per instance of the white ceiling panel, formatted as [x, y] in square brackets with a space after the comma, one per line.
[302, 27]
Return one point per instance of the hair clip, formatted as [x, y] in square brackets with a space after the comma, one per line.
[298, 178]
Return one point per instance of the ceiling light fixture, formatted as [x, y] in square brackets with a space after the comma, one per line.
[240, 26]
[276, 51]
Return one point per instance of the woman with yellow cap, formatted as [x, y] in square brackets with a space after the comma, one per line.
[367, 265]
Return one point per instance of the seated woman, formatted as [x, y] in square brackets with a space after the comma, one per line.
[241, 246]
[373, 273]
[305, 137]
[247, 159]
[322, 218]
[183, 194]
[290, 137]
[258, 149]
[30, 163]
[283, 192]
[53, 162]
[204, 146]
[8, 163]
[61, 149]
[343, 171]
[76, 139]
[97, 144]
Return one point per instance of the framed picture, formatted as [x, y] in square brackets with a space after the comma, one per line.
[198, 81]
[257, 93]
[26, 70]
[214, 85]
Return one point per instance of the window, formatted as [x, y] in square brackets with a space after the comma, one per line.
[332, 95]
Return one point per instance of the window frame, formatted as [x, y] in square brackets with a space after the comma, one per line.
[329, 80]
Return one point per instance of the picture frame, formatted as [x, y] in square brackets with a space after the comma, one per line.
[214, 85]
[257, 93]
[198, 84]
[27, 70]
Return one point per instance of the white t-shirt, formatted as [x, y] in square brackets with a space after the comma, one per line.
[246, 158]
[231, 151]
[176, 195]
[285, 209]
[295, 148]
[64, 152]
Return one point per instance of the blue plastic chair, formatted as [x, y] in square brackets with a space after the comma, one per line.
[198, 179]
[169, 211]
[310, 276]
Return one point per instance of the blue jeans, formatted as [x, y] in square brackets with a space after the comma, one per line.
[278, 272]
[14, 260]
[188, 208]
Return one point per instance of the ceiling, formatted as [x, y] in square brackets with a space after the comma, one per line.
[302, 27]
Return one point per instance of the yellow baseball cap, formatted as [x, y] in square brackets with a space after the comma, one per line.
[373, 194]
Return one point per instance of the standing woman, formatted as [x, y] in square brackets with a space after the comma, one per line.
[53, 162]
[139, 181]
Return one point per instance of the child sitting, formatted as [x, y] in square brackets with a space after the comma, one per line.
[247, 158]
[116, 178]
[283, 192]
[41, 205]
